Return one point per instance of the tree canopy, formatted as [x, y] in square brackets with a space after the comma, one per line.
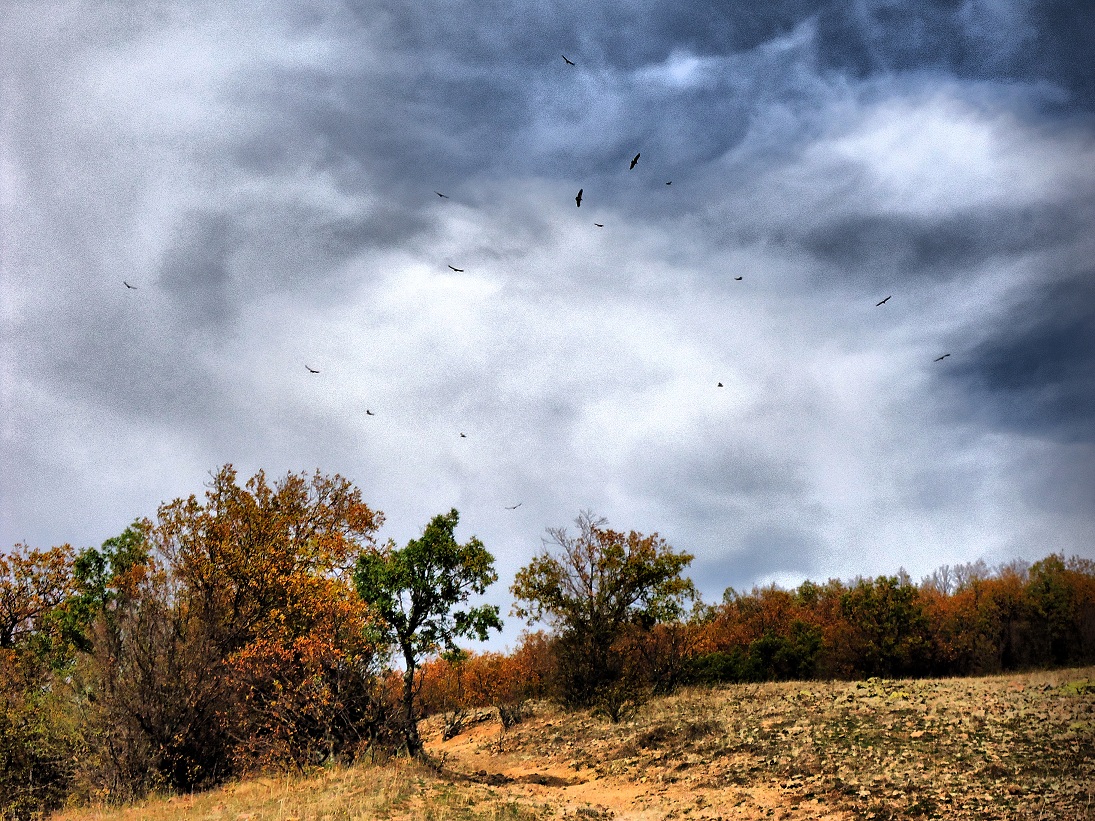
[602, 578]
[593, 587]
[414, 591]
[234, 638]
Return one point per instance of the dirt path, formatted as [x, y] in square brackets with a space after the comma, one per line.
[522, 766]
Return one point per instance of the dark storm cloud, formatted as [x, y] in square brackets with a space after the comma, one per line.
[478, 94]
[873, 246]
[195, 270]
[486, 76]
[1062, 50]
[1033, 371]
[996, 41]
[1003, 42]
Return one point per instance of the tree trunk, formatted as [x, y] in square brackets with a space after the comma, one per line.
[410, 725]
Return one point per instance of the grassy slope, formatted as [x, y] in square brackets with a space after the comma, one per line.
[1019, 746]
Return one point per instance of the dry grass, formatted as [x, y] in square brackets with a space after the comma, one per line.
[397, 790]
[1005, 747]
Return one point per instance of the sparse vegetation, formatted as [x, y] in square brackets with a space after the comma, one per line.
[1003, 747]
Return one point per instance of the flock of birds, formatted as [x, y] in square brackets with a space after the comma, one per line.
[578, 202]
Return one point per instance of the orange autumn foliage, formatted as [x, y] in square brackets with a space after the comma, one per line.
[245, 647]
[470, 681]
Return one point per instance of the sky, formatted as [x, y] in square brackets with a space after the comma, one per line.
[266, 176]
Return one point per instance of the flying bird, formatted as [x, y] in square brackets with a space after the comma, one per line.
[599, 224]
[369, 412]
[634, 160]
[311, 370]
[578, 199]
[567, 61]
[737, 279]
[458, 270]
[883, 302]
[463, 436]
[514, 507]
[941, 358]
[670, 182]
[443, 196]
[720, 384]
[126, 284]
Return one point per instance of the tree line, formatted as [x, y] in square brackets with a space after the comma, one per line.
[263, 626]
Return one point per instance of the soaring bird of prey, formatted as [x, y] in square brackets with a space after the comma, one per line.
[514, 507]
[599, 224]
[634, 161]
[883, 302]
[310, 370]
[443, 196]
[458, 270]
[567, 61]
[737, 279]
[126, 284]
[578, 199]
[941, 358]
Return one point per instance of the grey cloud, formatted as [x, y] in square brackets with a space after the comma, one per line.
[874, 246]
[716, 472]
[283, 207]
[764, 552]
[195, 270]
[1033, 370]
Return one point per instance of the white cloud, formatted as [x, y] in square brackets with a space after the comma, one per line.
[937, 154]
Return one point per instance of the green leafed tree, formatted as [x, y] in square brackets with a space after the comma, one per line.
[101, 577]
[416, 591]
[889, 631]
[591, 587]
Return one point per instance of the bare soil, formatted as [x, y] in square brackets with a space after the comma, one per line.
[1019, 746]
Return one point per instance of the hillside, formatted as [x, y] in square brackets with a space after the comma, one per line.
[1016, 746]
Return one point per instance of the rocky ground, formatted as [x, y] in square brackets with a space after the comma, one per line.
[1005, 747]
[1002, 747]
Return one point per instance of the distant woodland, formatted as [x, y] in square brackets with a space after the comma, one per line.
[263, 627]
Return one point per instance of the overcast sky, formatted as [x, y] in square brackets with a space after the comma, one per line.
[264, 174]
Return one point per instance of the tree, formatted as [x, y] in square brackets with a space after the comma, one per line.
[414, 591]
[890, 630]
[34, 584]
[101, 577]
[591, 587]
[232, 636]
[38, 743]
[1053, 605]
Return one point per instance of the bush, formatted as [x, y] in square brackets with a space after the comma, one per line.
[38, 739]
